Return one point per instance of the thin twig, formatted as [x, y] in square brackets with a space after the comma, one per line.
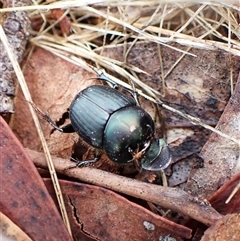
[170, 198]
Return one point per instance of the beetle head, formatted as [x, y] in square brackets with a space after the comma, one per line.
[157, 156]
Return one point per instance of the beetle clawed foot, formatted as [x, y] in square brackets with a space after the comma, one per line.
[81, 163]
[78, 164]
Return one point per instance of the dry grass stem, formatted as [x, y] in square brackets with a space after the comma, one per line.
[209, 25]
[162, 22]
[28, 98]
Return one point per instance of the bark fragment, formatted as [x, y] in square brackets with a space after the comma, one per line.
[16, 26]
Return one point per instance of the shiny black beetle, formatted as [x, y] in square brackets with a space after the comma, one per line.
[112, 121]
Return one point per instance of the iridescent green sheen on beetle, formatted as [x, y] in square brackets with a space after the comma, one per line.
[107, 119]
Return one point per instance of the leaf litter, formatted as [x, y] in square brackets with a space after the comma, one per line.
[199, 89]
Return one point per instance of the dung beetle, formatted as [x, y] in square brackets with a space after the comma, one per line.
[108, 119]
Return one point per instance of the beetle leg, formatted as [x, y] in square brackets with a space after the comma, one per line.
[137, 165]
[65, 129]
[137, 155]
[87, 162]
[133, 92]
[135, 158]
[102, 76]
[79, 163]
[46, 117]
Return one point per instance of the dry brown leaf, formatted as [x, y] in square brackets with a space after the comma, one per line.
[10, 231]
[170, 198]
[24, 197]
[221, 157]
[53, 83]
[104, 215]
[227, 228]
[199, 86]
[218, 200]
